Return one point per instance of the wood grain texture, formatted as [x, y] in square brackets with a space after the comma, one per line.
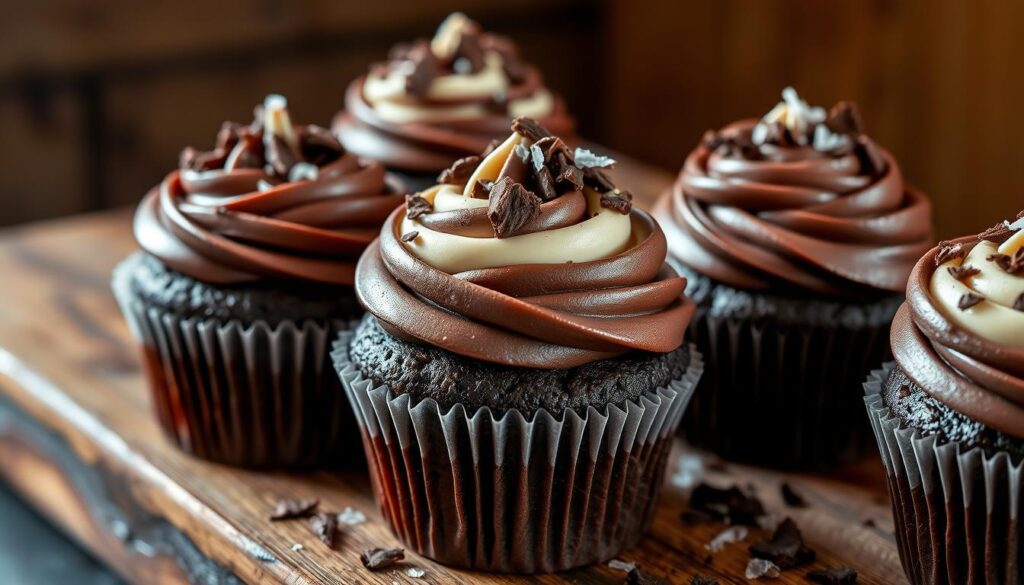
[79, 443]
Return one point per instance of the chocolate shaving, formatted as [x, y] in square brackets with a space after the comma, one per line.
[529, 128]
[410, 236]
[844, 118]
[545, 184]
[325, 526]
[482, 189]
[511, 207]
[1011, 264]
[730, 505]
[380, 558]
[280, 156]
[1018, 303]
[460, 171]
[833, 576]
[289, 508]
[997, 234]
[948, 251]
[703, 580]
[791, 497]
[621, 201]
[416, 205]
[963, 272]
[425, 67]
[636, 576]
[785, 548]
[968, 300]
[571, 177]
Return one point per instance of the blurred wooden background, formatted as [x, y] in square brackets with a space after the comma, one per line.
[97, 98]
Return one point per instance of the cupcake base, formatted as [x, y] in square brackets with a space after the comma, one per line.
[253, 393]
[782, 382]
[957, 509]
[510, 493]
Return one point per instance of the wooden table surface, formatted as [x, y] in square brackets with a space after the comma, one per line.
[78, 442]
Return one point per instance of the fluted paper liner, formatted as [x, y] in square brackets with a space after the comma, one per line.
[247, 394]
[512, 494]
[782, 395]
[957, 510]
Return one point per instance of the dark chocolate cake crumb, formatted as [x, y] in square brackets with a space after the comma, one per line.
[637, 576]
[621, 201]
[731, 505]
[290, 508]
[997, 234]
[511, 207]
[1018, 303]
[833, 576]
[968, 300]
[325, 526]
[791, 497]
[948, 251]
[416, 205]
[963, 272]
[381, 558]
[529, 128]
[785, 548]
[410, 236]
[703, 580]
[460, 171]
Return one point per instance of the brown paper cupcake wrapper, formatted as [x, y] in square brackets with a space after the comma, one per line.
[511, 494]
[957, 510]
[782, 395]
[246, 394]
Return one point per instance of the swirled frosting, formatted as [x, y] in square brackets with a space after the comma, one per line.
[530, 257]
[800, 200]
[269, 202]
[436, 101]
[960, 334]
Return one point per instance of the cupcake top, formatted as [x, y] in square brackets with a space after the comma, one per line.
[960, 335]
[527, 256]
[435, 101]
[270, 201]
[800, 200]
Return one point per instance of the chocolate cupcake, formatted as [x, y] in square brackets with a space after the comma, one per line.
[434, 102]
[521, 370]
[246, 273]
[949, 413]
[797, 234]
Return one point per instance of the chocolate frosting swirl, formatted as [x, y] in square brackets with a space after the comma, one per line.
[434, 130]
[538, 310]
[230, 217]
[815, 207]
[965, 370]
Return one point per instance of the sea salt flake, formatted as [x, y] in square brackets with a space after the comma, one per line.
[761, 569]
[297, 547]
[415, 572]
[587, 159]
[727, 536]
[621, 565]
[689, 469]
[351, 517]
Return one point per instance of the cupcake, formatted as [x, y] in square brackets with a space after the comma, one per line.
[796, 233]
[434, 102]
[521, 371]
[949, 413]
[245, 276]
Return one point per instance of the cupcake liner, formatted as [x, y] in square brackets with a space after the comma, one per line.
[514, 494]
[957, 510]
[246, 394]
[781, 394]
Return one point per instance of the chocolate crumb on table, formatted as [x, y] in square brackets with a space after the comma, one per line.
[325, 526]
[381, 558]
[833, 576]
[290, 508]
[791, 497]
[731, 505]
[786, 548]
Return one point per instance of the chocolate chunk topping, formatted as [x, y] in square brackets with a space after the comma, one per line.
[779, 134]
[425, 67]
[997, 234]
[621, 201]
[571, 178]
[460, 171]
[871, 161]
[482, 189]
[529, 128]
[1012, 264]
[545, 184]
[511, 207]
[730, 145]
[948, 251]
[785, 548]
[280, 156]
[968, 300]
[416, 205]
[325, 526]
[469, 55]
[730, 505]
[636, 576]
[248, 153]
[288, 508]
[963, 272]
[791, 497]
[703, 580]
[1018, 303]
[319, 146]
[410, 236]
[380, 558]
[833, 576]
[844, 118]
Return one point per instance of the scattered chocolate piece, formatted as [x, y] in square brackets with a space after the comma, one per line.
[791, 497]
[416, 205]
[325, 526]
[319, 146]
[587, 159]
[570, 177]
[730, 505]
[844, 118]
[482, 189]
[248, 153]
[410, 236]
[997, 234]
[963, 272]
[870, 522]
[703, 580]
[968, 300]
[280, 156]
[511, 207]
[381, 558]
[1011, 264]
[288, 508]
[636, 576]
[459, 171]
[621, 201]
[425, 67]
[833, 576]
[529, 128]
[785, 548]
[545, 184]
[1018, 303]
[778, 134]
[948, 251]
[758, 568]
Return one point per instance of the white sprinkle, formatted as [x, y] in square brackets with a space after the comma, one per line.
[263, 185]
[760, 568]
[297, 547]
[621, 565]
[587, 159]
[825, 140]
[275, 101]
[727, 536]
[351, 517]
[415, 572]
[1017, 225]
[689, 468]
[303, 171]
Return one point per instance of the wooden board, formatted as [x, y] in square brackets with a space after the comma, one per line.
[77, 440]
